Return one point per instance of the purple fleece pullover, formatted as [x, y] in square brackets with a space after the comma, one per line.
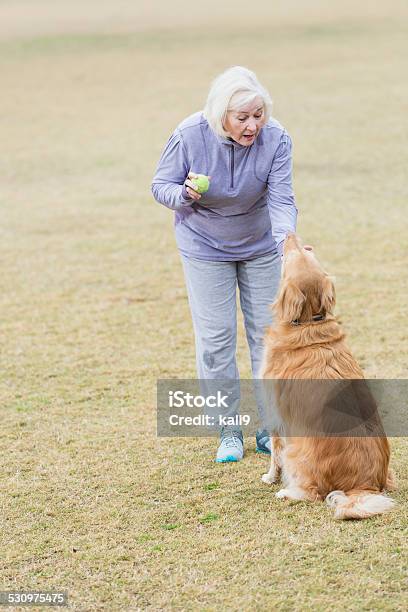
[249, 207]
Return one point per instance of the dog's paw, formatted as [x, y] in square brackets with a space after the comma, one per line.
[268, 478]
[283, 494]
[336, 498]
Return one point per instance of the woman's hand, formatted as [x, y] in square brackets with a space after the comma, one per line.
[191, 187]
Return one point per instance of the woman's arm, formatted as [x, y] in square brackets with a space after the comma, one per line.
[168, 183]
[281, 200]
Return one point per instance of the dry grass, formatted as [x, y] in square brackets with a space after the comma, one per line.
[92, 502]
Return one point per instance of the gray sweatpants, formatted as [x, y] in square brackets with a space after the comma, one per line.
[211, 287]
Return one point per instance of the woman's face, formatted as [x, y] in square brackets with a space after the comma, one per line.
[243, 125]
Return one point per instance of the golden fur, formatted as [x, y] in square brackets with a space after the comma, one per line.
[349, 472]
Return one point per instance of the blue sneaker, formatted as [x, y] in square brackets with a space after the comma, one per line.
[263, 442]
[231, 447]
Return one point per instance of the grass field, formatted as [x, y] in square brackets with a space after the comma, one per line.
[94, 309]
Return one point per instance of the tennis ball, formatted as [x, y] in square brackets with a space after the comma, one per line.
[201, 183]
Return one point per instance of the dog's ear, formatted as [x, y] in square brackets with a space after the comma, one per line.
[328, 297]
[290, 303]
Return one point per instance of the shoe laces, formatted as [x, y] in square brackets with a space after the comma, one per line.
[231, 439]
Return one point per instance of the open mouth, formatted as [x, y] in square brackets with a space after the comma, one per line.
[249, 136]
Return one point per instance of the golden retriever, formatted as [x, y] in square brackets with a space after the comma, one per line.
[306, 344]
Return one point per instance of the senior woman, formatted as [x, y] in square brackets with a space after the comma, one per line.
[233, 234]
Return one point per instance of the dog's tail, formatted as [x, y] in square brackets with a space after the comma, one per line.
[358, 504]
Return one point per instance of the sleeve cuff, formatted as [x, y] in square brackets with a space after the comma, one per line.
[280, 248]
[184, 197]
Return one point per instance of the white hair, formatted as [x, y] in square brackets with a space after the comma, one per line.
[232, 90]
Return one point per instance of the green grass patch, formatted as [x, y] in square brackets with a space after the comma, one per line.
[209, 518]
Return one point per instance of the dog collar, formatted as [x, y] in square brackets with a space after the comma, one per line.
[318, 317]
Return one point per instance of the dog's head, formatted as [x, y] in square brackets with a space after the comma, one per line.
[306, 290]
